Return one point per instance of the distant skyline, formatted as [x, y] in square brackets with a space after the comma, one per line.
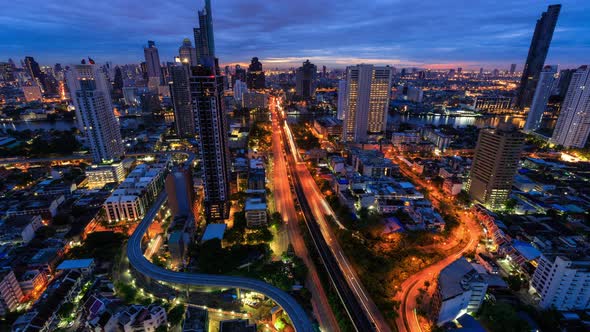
[429, 33]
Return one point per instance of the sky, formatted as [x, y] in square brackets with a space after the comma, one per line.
[283, 33]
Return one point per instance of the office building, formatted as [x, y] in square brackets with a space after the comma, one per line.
[212, 130]
[573, 125]
[342, 99]
[239, 74]
[368, 93]
[492, 104]
[255, 210]
[497, 154]
[542, 93]
[562, 282]
[180, 189]
[204, 41]
[10, 292]
[460, 290]
[34, 70]
[512, 69]
[305, 80]
[536, 57]
[254, 99]
[255, 78]
[98, 176]
[184, 119]
[565, 77]
[187, 53]
[89, 89]
[240, 88]
[153, 69]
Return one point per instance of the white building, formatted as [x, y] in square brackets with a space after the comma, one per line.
[562, 282]
[10, 292]
[573, 124]
[141, 319]
[255, 210]
[239, 89]
[368, 93]
[19, 229]
[131, 199]
[461, 290]
[99, 175]
[94, 111]
[542, 93]
[342, 94]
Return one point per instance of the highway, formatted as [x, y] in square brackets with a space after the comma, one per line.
[301, 321]
[285, 204]
[362, 311]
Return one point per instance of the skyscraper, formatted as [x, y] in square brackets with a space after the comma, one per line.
[204, 41]
[184, 119]
[89, 89]
[206, 89]
[118, 84]
[342, 95]
[542, 93]
[305, 79]
[368, 93]
[536, 57]
[34, 71]
[187, 53]
[497, 154]
[239, 74]
[512, 69]
[239, 89]
[255, 78]
[153, 69]
[573, 125]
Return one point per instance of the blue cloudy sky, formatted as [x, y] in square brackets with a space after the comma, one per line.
[426, 33]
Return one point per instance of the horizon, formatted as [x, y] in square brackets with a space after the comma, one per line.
[497, 36]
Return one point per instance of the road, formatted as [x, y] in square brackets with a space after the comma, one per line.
[363, 312]
[301, 321]
[469, 232]
[285, 204]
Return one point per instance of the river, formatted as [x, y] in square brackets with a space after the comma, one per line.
[34, 125]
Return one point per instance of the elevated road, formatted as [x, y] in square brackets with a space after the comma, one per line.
[298, 316]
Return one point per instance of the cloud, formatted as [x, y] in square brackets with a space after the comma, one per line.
[332, 32]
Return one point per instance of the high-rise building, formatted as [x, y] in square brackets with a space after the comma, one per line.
[565, 77]
[153, 68]
[239, 89]
[211, 127]
[187, 53]
[573, 125]
[239, 74]
[542, 93]
[204, 41]
[305, 79]
[497, 154]
[6, 72]
[255, 78]
[368, 92]
[342, 95]
[118, 84]
[10, 292]
[89, 89]
[184, 118]
[536, 57]
[512, 69]
[181, 196]
[563, 282]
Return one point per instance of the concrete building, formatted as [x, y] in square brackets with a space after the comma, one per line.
[255, 78]
[368, 93]
[460, 290]
[180, 189]
[138, 318]
[305, 80]
[195, 320]
[497, 155]
[10, 292]
[153, 67]
[254, 100]
[187, 53]
[184, 119]
[562, 282]
[573, 125]
[240, 88]
[32, 92]
[94, 111]
[492, 104]
[541, 96]
[21, 229]
[342, 99]
[98, 176]
[256, 215]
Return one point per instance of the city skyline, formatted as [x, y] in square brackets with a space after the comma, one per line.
[497, 35]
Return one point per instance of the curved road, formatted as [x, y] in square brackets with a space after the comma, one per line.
[300, 320]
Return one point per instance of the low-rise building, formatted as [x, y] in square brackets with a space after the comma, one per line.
[328, 127]
[256, 215]
[195, 320]
[99, 175]
[84, 266]
[460, 290]
[138, 318]
[16, 230]
[32, 282]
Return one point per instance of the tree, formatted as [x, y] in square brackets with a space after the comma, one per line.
[176, 314]
[276, 219]
[510, 204]
[501, 317]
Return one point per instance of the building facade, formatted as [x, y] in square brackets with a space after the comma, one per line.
[573, 125]
[152, 62]
[184, 119]
[255, 78]
[368, 93]
[94, 112]
[305, 78]
[541, 96]
[497, 155]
